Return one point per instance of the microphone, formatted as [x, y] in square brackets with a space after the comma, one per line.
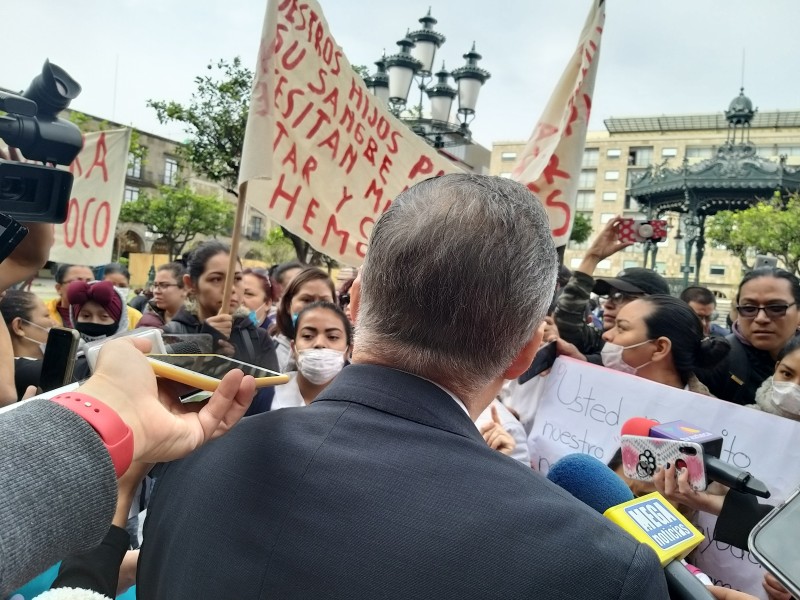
[716, 469]
[651, 520]
[184, 347]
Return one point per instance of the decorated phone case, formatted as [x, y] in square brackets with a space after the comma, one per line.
[641, 456]
[631, 230]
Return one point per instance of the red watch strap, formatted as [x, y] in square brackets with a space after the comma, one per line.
[115, 433]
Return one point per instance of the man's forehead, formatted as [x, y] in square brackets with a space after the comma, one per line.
[776, 286]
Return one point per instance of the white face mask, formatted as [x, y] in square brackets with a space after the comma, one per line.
[42, 345]
[611, 355]
[786, 396]
[124, 292]
[320, 365]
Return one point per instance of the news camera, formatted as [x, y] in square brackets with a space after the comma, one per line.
[32, 192]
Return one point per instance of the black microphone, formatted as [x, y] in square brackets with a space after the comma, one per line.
[183, 348]
[650, 519]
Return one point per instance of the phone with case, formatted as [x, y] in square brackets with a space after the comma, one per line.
[773, 542]
[632, 230]
[641, 456]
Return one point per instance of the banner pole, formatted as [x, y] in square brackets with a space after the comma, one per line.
[233, 259]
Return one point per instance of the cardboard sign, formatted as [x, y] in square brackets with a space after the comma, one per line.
[87, 236]
[584, 407]
[322, 156]
[551, 162]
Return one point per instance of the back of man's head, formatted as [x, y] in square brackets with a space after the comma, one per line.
[698, 294]
[459, 273]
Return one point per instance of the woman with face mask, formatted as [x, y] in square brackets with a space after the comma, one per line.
[28, 322]
[320, 348]
[659, 338]
[97, 309]
[780, 393]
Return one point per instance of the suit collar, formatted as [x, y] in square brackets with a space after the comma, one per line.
[401, 394]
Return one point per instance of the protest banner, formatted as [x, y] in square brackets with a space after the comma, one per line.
[87, 236]
[551, 161]
[322, 156]
[584, 406]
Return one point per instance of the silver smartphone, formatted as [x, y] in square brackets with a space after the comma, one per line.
[773, 542]
[762, 260]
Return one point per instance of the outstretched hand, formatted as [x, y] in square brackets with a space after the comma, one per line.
[163, 428]
[604, 245]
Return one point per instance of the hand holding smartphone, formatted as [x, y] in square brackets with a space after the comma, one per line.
[204, 371]
[641, 456]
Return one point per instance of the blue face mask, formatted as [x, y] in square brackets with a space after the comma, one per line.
[294, 319]
[254, 318]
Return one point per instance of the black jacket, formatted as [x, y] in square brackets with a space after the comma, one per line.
[738, 376]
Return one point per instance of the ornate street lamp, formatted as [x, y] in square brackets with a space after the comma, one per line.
[414, 62]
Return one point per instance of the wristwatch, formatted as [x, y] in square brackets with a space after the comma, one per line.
[113, 431]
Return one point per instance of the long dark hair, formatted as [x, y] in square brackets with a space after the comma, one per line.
[674, 319]
[17, 304]
[283, 318]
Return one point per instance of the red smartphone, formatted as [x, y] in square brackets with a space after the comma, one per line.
[631, 230]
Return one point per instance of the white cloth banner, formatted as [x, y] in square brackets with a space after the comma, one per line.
[584, 407]
[322, 156]
[87, 236]
[551, 162]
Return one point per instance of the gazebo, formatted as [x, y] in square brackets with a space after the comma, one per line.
[736, 178]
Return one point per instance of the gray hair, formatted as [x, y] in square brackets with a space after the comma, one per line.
[459, 273]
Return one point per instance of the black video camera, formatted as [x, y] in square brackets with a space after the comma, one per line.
[30, 192]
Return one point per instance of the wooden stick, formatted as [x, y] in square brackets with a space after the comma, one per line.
[233, 260]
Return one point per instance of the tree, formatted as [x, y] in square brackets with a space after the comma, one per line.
[277, 247]
[768, 227]
[178, 215]
[215, 119]
[581, 229]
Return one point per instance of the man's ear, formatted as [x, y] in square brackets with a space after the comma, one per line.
[524, 358]
[355, 297]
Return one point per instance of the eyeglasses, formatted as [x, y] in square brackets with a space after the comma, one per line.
[618, 297]
[164, 286]
[773, 311]
[709, 318]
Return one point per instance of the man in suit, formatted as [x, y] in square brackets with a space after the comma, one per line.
[383, 487]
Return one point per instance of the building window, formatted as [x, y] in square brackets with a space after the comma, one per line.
[661, 268]
[630, 264]
[669, 152]
[630, 203]
[606, 217]
[613, 154]
[640, 156]
[508, 156]
[256, 228]
[716, 270]
[789, 150]
[609, 196]
[699, 151]
[585, 201]
[612, 175]
[131, 193]
[506, 174]
[591, 156]
[134, 166]
[574, 263]
[633, 175]
[588, 178]
[604, 265]
[170, 171]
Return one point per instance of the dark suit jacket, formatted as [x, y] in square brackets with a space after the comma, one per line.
[381, 488]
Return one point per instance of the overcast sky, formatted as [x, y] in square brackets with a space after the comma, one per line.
[657, 57]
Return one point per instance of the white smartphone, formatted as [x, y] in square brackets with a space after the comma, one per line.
[204, 371]
[774, 543]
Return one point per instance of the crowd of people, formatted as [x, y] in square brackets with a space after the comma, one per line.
[406, 464]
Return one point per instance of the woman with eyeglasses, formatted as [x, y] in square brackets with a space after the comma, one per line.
[767, 319]
[168, 296]
[28, 322]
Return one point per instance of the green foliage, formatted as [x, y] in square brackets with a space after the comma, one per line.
[768, 227]
[581, 229]
[179, 215]
[361, 70]
[277, 248]
[215, 118]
